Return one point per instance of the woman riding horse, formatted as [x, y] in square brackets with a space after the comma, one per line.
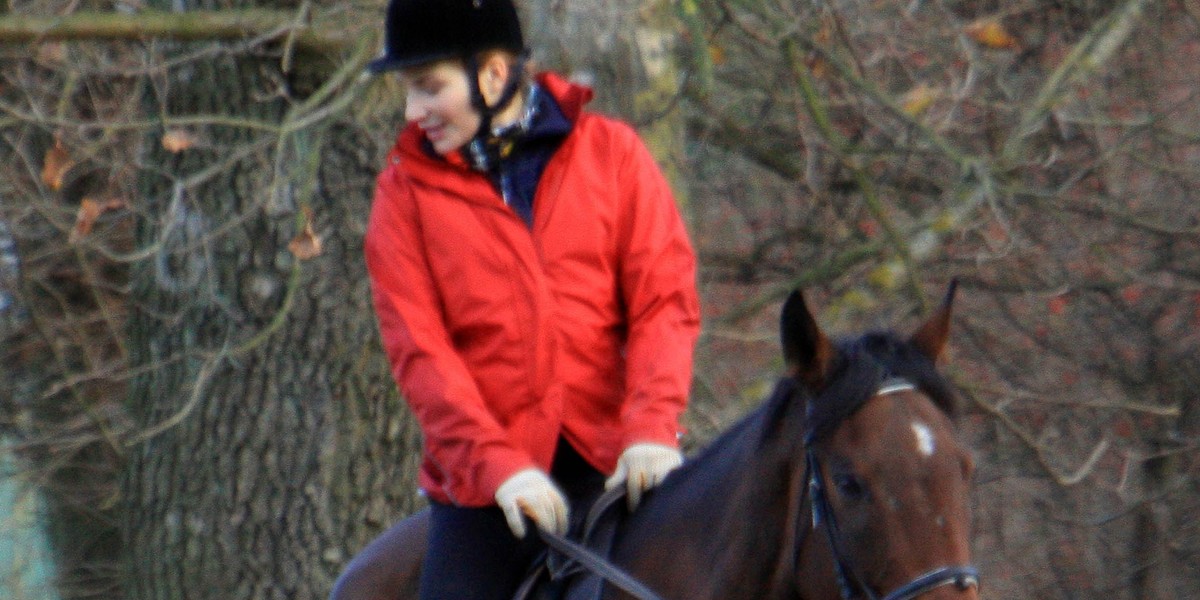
[536, 295]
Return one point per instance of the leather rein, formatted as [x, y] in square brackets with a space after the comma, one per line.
[599, 565]
[850, 582]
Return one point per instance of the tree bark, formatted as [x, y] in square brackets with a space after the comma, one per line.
[272, 441]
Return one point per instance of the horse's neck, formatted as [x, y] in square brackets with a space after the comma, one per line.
[731, 508]
[753, 535]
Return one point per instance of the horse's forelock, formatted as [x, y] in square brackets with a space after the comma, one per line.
[862, 365]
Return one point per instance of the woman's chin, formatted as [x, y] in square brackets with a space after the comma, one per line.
[442, 142]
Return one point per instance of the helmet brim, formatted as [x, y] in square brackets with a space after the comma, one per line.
[387, 63]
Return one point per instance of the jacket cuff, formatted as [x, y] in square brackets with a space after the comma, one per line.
[498, 468]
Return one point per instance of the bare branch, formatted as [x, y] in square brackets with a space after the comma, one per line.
[181, 26]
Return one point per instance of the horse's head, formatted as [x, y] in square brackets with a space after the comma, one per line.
[888, 481]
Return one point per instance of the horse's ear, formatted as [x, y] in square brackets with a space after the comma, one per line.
[806, 350]
[930, 338]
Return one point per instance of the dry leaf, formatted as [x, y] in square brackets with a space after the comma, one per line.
[817, 66]
[916, 100]
[1057, 305]
[178, 140]
[824, 34]
[306, 245]
[51, 53]
[991, 34]
[55, 165]
[716, 54]
[89, 211]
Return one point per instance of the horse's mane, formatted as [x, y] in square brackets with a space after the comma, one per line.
[729, 449]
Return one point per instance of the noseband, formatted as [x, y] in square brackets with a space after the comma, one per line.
[849, 580]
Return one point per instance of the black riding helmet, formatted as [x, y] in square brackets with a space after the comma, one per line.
[422, 31]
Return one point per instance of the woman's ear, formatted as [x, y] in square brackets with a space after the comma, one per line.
[493, 74]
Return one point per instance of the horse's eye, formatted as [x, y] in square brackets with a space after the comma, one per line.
[850, 486]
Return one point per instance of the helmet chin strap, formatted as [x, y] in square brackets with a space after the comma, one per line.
[511, 86]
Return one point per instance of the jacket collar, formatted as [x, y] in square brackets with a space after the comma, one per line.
[541, 120]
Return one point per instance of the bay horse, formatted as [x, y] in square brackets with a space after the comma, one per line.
[848, 482]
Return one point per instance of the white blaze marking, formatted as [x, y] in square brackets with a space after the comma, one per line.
[924, 438]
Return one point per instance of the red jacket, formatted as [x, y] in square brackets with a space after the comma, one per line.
[503, 337]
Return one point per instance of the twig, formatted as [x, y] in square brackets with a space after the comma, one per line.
[1063, 479]
[1086, 56]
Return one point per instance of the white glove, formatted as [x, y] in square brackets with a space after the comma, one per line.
[643, 466]
[531, 493]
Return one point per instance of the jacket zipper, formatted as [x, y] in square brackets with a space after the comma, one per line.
[505, 185]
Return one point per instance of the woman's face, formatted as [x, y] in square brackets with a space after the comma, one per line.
[438, 99]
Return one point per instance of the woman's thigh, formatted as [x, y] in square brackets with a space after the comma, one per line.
[473, 554]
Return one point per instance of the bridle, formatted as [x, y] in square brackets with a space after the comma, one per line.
[849, 580]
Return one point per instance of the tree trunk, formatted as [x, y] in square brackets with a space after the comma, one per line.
[272, 441]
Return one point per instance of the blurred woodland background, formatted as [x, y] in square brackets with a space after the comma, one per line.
[193, 400]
